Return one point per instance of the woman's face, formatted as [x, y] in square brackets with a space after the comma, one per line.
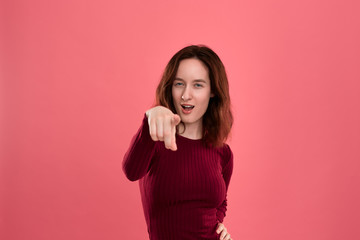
[191, 90]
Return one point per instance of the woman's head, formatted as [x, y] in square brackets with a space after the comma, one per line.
[217, 118]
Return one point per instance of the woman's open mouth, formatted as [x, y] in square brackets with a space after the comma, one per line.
[186, 108]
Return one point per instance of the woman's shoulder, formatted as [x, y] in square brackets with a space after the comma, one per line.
[225, 153]
[226, 158]
[225, 149]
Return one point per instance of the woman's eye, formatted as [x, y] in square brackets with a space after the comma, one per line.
[198, 85]
[178, 84]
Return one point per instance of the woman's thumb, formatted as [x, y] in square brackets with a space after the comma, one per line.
[176, 119]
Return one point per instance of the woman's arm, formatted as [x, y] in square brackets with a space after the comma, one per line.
[227, 169]
[138, 157]
[159, 124]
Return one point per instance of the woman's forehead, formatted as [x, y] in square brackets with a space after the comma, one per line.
[192, 69]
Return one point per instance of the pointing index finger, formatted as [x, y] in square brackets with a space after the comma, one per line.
[173, 133]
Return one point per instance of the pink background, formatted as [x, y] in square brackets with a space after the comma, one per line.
[77, 77]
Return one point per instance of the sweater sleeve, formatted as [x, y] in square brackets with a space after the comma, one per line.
[226, 172]
[137, 159]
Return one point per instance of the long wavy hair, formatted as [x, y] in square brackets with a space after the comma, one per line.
[218, 118]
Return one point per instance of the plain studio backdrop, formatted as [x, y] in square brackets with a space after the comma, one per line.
[77, 77]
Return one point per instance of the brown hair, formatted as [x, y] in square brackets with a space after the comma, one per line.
[218, 119]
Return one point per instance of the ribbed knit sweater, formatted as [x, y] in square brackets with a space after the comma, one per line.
[183, 192]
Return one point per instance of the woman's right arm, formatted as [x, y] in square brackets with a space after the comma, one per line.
[159, 124]
[137, 159]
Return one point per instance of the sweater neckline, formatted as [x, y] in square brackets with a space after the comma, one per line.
[188, 139]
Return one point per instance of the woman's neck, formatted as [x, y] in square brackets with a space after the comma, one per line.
[192, 131]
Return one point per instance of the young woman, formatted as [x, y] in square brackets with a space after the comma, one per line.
[179, 154]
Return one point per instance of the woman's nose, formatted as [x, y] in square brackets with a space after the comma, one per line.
[186, 94]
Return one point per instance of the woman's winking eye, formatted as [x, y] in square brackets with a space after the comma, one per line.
[178, 83]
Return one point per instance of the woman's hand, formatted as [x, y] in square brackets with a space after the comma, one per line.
[221, 229]
[162, 124]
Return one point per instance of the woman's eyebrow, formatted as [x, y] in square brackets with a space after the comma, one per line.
[199, 80]
[195, 80]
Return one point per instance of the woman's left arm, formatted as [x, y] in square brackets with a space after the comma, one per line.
[221, 210]
[227, 169]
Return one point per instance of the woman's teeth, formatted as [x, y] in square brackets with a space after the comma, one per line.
[187, 107]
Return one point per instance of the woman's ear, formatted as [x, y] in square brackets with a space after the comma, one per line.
[212, 95]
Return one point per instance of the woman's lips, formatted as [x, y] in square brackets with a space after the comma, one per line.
[186, 108]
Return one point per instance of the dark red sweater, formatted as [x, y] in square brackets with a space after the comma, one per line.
[183, 192]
